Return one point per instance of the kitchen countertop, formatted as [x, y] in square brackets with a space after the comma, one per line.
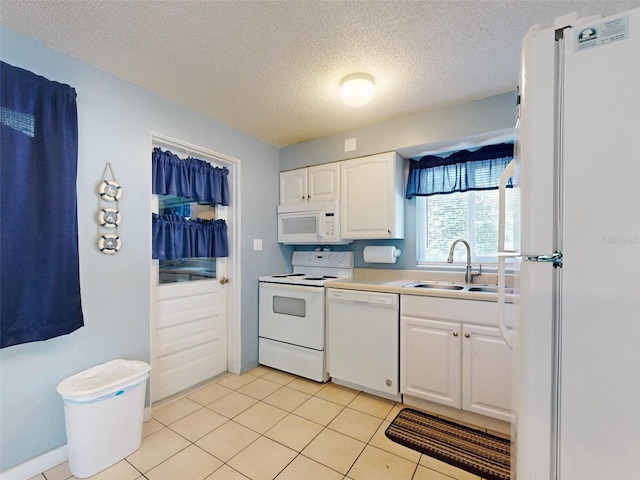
[394, 281]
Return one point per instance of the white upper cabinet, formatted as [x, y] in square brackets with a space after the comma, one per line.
[372, 197]
[319, 183]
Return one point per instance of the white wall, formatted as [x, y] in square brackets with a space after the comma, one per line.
[116, 119]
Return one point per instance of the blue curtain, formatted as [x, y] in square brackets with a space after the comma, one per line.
[459, 172]
[176, 237]
[39, 279]
[191, 178]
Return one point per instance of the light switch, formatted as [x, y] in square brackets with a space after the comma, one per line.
[257, 244]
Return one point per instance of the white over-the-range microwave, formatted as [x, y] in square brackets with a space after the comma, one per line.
[314, 223]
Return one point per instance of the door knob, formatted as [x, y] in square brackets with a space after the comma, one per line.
[224, 280]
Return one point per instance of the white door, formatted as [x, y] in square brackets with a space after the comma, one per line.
[293, 187]
[189, 334]
[372, 197]
[599, 358]
[363, 339]
[430, 360]
[324, 182]
[189, 324]
[486, 372]
[293, 314]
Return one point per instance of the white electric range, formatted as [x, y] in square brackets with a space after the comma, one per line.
[292, 334]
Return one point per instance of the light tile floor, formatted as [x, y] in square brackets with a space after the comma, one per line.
[266, 425]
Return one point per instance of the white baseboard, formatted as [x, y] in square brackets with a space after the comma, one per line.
[36, 465]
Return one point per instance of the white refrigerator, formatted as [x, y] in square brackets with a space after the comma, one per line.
[577, 346]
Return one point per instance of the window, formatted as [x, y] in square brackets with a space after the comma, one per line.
[472, 216]
[186, 269]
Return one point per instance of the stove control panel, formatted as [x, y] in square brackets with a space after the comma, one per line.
[323, 259]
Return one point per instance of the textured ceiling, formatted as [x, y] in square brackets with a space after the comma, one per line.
[272, 69]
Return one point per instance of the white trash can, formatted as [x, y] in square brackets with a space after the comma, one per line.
[103, 412]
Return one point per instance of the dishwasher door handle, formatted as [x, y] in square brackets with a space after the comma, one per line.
[363, 301]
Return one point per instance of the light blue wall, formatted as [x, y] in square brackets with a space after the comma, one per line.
[445, 129]
[116, 119]
[409, 135]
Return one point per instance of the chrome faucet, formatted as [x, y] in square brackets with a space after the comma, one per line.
[467, 277]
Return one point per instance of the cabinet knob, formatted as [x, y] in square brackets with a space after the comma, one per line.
[388, 383]
[308, 197]
[455, 334]
[467, 335]
[303, 197]
[224, 280]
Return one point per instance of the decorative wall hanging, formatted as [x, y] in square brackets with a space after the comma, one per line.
[110, 190]
[109, 244]
[109, 217]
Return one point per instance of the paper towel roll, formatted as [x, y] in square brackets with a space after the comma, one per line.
[386, 254]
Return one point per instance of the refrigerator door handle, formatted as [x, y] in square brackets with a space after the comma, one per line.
[555, 258]
[507, 334]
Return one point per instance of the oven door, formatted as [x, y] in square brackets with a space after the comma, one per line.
[292, 314]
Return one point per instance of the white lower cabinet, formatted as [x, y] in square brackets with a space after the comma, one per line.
[430, 360]
[448, 360]
[486, 372]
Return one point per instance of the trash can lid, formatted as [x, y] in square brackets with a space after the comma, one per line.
[103, 379]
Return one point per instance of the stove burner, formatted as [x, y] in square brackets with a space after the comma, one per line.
[286, 275]
[329, 276]
[314, 278]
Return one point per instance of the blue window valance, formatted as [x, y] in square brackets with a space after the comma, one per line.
[191, 178]
[40, 280]
[176, 237]
[461, 171]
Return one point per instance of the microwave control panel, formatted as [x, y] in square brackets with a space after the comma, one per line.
[330, 224]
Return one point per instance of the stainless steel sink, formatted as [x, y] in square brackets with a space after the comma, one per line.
[435, 285]
[487, 289]
[458, 287]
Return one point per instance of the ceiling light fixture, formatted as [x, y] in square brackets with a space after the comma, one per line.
[357, 89]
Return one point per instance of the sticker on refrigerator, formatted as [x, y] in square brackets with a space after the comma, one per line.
[602, 34]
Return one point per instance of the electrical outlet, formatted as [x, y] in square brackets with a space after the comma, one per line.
[257, 244]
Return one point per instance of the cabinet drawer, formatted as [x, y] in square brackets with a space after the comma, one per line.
[455, 309]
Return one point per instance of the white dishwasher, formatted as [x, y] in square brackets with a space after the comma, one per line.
[363, 340]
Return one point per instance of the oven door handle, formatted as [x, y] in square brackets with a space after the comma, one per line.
[283, 287]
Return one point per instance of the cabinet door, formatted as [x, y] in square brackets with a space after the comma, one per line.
[372, 201]
[324, 182]
[430, 360]
[293, 186]
[486, 372]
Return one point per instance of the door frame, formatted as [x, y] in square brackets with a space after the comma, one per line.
[233, 233]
